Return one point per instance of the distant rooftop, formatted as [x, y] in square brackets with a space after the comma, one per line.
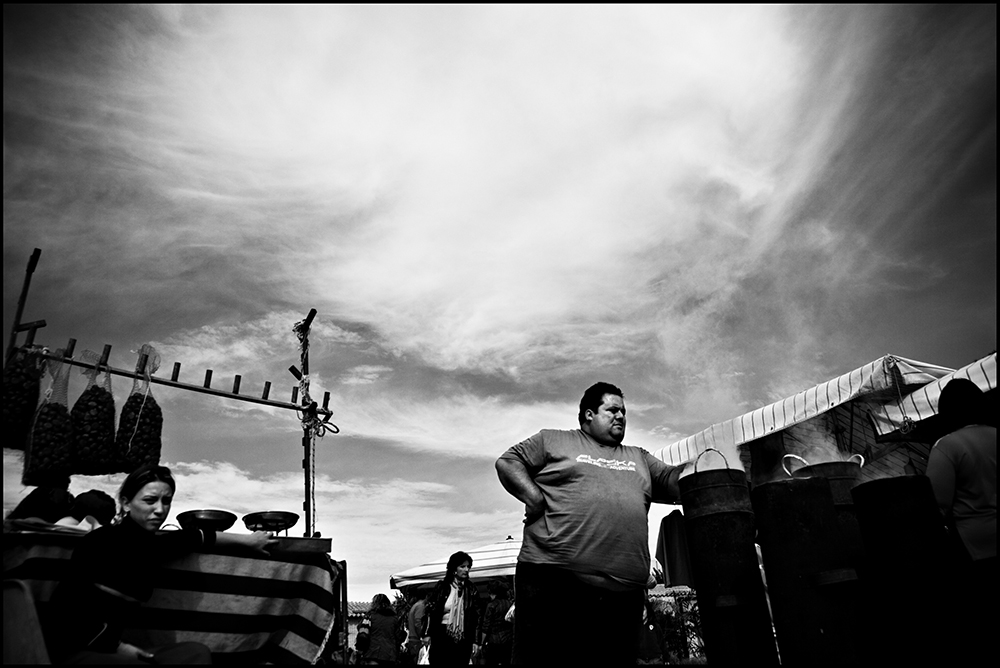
[358, 608]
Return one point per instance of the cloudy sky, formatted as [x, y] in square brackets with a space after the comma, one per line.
[490, 208]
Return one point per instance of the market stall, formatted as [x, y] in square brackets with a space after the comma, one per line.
[826, 489]
[278, 609]
[283, 608]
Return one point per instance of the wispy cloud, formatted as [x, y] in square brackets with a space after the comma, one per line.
[506, 206]
[364, 374]
[493, 207]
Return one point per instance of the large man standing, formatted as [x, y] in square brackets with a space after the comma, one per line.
[584, 562]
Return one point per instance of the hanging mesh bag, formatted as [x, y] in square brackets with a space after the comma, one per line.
[141, 423]
[22, 382]
[93, 417]
[48, 460]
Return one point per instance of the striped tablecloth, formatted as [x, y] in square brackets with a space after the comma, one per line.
[280, 609]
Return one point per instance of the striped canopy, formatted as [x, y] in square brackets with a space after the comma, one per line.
[887, 378]
[923, 403]
[493, 560]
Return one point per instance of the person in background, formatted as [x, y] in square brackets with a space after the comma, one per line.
[416, 626]
[49, 504]
[962, 468]
[650, 643]
[586, 538]
[382, 649]
[452, 615]
[91, 510]
[111, 574]
[496, 634]
[362, 643]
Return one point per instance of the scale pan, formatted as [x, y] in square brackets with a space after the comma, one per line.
[270, 520]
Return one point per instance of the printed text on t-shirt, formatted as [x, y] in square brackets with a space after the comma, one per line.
[613, 464]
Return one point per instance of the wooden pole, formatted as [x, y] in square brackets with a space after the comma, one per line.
[307, 468]
[343, 606]
[32, 263]
[310, 411]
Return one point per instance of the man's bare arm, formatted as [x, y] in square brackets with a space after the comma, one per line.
[517, 481]
[665, 480]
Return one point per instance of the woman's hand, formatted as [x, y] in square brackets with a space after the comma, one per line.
[258, 541]
[133, 652]
[261, 541]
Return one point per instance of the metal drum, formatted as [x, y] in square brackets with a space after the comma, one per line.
[913, 566]
[843, 477]
[719, 523]
[811, 585]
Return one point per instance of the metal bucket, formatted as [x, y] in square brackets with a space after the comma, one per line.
[843, 477]
[811, 584]
[719, 523]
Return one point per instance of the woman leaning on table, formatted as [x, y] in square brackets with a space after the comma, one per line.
[111, 574]
[452, 615]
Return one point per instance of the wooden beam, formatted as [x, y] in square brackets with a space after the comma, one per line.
[24, 327]
[187, 386]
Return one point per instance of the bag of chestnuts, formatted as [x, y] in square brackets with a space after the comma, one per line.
[93, 417]
[49, 456]
[22, 380]
[141, 422]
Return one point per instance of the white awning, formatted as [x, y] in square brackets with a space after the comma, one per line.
[923, 403]
[883, 380]
[493, 560]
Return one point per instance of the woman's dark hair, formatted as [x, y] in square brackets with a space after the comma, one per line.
[594, 397]
[95, 503]
[381, 604]
[497, 588]
[141, 477]
[454, 561]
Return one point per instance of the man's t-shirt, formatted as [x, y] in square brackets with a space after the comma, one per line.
[962, 468]
[596, 500]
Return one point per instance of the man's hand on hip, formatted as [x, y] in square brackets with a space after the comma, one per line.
[517, 481]
[534, 511]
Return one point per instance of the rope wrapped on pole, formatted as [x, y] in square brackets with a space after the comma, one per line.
[312, 425]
